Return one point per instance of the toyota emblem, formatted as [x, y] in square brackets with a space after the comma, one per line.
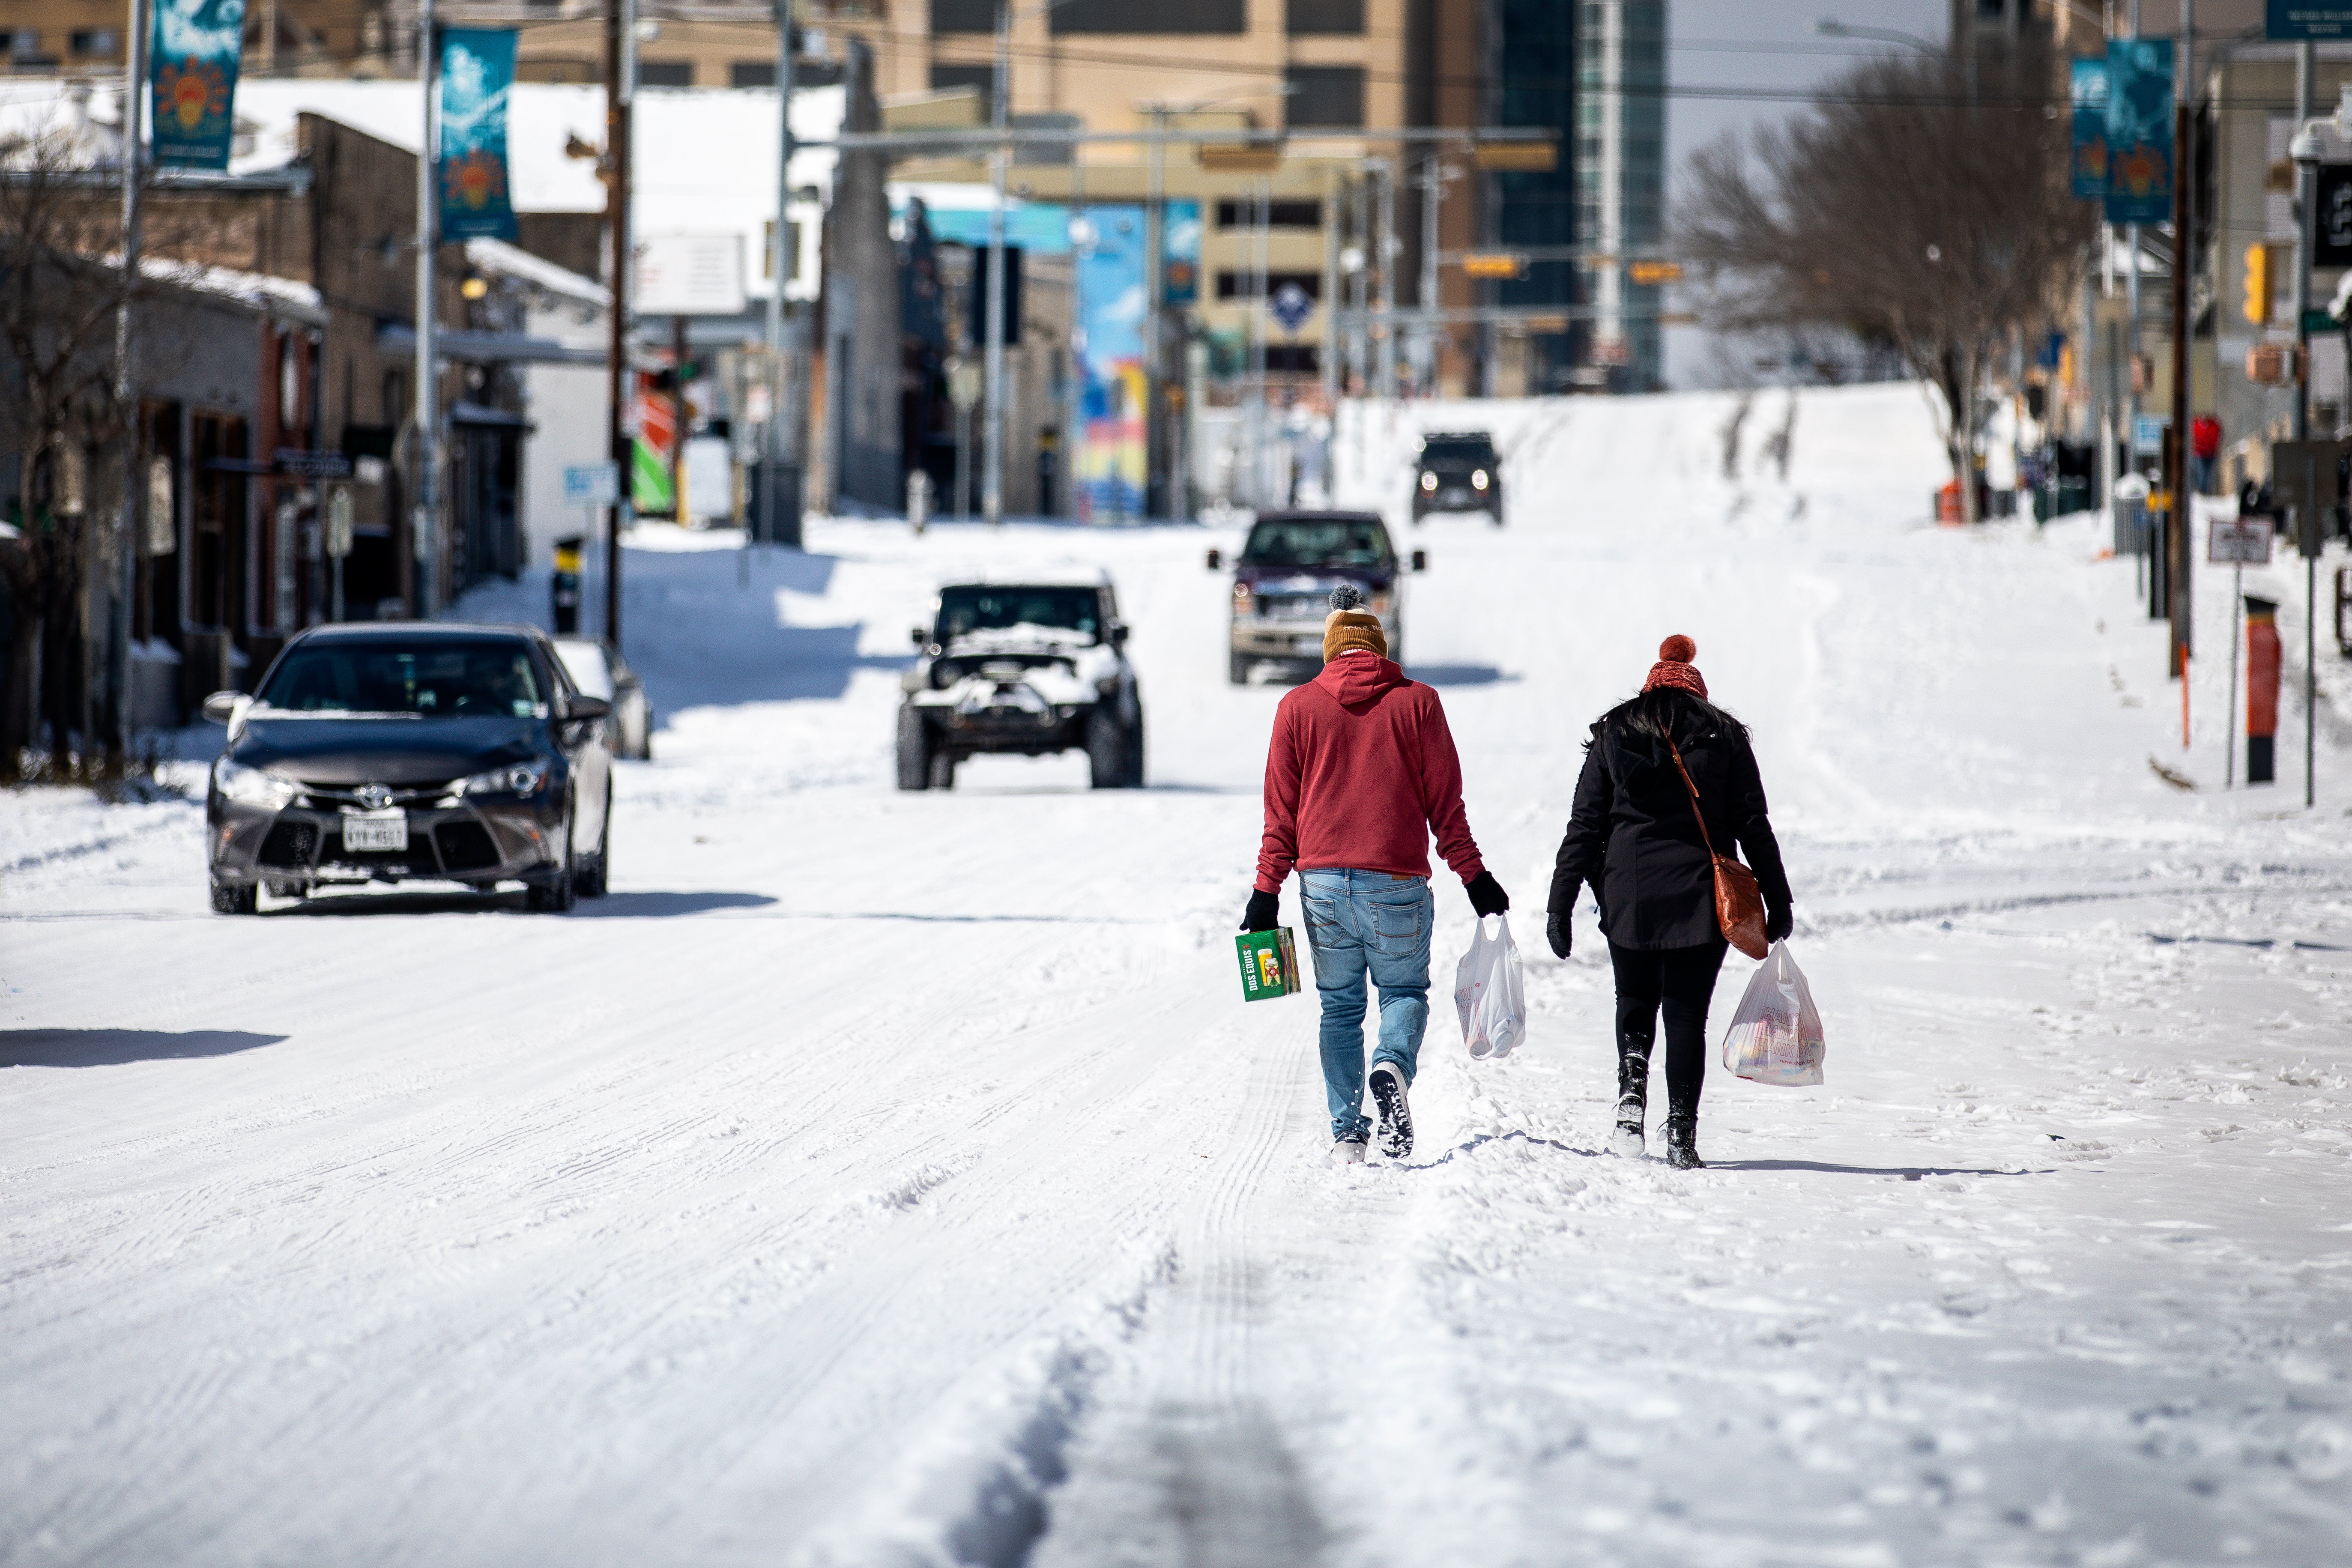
[375, 797]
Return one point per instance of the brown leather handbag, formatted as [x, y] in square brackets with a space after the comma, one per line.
[1738, 901]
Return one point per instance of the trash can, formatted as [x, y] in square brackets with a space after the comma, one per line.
[2129, 511]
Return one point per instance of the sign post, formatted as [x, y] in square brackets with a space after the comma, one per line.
[2237, 541]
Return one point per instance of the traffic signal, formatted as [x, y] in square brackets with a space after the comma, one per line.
[2258, 284]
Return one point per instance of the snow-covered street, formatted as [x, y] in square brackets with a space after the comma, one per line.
[881, 1178]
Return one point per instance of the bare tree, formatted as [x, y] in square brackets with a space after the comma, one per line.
[1907, 207]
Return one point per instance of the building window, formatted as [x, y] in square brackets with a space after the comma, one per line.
[1326, 97]
[88, 42]
[1305, 18]
[1278, 215]
[1159, 17]
[665, 73]
[945, 77]
[1240, 285]
[963, 17]
[1293, 359]
[752, 73]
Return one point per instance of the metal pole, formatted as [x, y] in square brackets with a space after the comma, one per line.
[1431, 190]
[1261, 225]
[1385, 351]
[2180, 560]
[992, 456]
[2310, 670]
[620, 87]
[1155, 231]
[2229, 713]
[126, 391]
[2304, 185]
[771, 467]
[1327, 360]
[423, 524]
[677, 420]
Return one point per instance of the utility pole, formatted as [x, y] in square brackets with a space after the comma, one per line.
[992, 456]
[1433, 191]
[2306, 186]
[772, 466]
[1155, 241]
[424, 522]
[126, 389]
[1328, 361]
[2179, 557]
[620, 87]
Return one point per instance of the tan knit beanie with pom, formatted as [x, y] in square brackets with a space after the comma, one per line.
[1349, 626]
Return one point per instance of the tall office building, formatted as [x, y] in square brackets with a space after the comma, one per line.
[1621, 170]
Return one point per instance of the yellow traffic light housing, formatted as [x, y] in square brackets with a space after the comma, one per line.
[2258, 284]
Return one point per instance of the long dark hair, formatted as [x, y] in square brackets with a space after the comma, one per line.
[1668, 712]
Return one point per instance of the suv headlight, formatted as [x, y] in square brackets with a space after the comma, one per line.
[254, 786]
[1429, 481]
[517, 778]
[1478, 479]
[1243, 597]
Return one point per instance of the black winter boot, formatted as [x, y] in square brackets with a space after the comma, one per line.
[1682, 1142]
[1633, 1096]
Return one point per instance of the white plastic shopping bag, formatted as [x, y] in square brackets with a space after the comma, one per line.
[1488, 993]
[1776, 1035]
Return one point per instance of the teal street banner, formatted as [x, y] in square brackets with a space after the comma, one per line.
[193, 81]
[1180, 253]
[2139, 131]
[478, 67]
[2088, 161]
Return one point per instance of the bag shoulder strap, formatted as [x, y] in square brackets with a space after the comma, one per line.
[1696, 815]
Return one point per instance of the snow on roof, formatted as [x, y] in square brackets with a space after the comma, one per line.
[512, 261]
[704, 158]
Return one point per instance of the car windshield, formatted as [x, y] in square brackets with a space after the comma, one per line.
[584, 662]
[1457, 449]
[1318, 541]
[476, 679]
[964, 612]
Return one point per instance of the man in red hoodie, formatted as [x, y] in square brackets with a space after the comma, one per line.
[1361, 772]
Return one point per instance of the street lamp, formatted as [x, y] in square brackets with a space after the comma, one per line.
[1830, 27]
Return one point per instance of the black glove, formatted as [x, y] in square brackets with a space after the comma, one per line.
[1778, 923]
[1265, 911]
[1557, 934]
[1486, 895]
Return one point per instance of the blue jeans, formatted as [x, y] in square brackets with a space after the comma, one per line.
[1355, 921]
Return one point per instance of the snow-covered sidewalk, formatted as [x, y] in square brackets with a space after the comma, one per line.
[881, 1178]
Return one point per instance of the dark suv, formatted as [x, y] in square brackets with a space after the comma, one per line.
[1027, 667]
[1283, 582]
[1458, 471]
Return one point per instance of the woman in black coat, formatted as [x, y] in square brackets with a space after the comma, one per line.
[1633, 838]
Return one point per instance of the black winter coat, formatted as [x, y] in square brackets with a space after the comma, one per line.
[1633, 838]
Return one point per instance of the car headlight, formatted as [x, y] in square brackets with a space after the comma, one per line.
[254, 786]
[518, 778]
[1429, 481]
[1478, 479]
[1243, 597]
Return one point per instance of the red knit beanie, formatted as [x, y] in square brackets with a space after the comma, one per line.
[1673, 668]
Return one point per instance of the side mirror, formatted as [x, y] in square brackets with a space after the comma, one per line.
[221, 707]
[920, 638]
[1216, 560]
[1119, 634]
[1420, 560]
[583, 707]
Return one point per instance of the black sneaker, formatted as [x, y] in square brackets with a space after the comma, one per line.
[1395, 1133]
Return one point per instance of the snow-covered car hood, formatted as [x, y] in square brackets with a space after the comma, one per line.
[1058, 670]
[389, 749]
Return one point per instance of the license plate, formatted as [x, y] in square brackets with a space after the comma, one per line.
[375, 830]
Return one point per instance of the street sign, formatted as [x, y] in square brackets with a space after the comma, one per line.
[2148, 432]
[1291, 307]
[339, 516]
[2308, 19]
[297, 464]
[690, 275]
[2240, 542]
[592, 484]
[2316, 322]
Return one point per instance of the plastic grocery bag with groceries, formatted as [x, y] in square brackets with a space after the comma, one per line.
[1776, 1035]
[1490, 995]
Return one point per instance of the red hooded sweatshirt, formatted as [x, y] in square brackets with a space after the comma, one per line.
[1361, 772]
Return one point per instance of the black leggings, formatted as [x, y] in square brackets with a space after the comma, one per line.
[1679, 981]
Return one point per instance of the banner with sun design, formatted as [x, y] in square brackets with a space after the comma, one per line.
[478, 68]
[193, 81]
[2139, 131]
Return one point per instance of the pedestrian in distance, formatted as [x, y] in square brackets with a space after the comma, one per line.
[1360, 773]
[1635, 839]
